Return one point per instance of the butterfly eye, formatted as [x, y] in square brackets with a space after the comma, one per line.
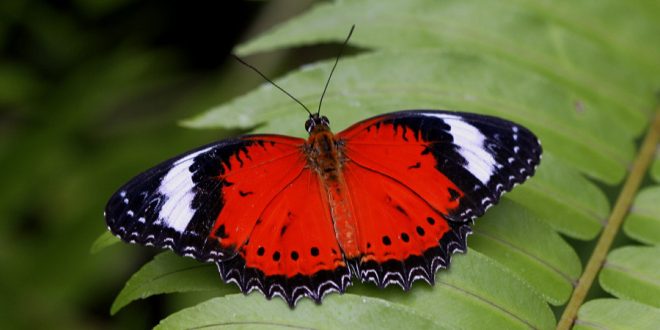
[309, 124]
[325, 120]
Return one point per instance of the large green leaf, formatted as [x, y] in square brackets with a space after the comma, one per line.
[643, 222]
[617, 314]
[501, 301]
[254, 312]
[553, 40]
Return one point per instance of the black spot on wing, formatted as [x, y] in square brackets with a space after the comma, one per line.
[221, 232]
[245, 193]
[453, 194]
[416, 165]
[401, 210]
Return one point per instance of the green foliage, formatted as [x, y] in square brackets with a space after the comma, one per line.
[580, 74]
[501, 301]
[254, 312]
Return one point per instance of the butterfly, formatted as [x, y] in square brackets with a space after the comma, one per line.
[387, 200]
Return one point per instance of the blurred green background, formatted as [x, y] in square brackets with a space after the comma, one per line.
[90, 95]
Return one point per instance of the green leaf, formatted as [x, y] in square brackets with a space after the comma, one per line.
[551, 39]
[643, 222]
[633, 273]
[168, 273]
[465, 297]
[564, 199]
[455, 80]
[336, 312]
[530, 249]
[103, 241]
[501, 301]
[617, 314]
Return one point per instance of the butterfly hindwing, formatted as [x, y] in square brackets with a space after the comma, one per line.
[396, 227]
[292, 251]
[435, 172]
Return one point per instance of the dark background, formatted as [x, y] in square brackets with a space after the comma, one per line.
[90, 95]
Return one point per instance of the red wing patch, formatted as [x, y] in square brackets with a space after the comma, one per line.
[250, 181]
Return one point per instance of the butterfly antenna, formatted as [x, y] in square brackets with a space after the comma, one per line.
[270, 81]
[341, 51]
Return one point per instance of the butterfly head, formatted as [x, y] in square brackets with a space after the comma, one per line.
[317, 122]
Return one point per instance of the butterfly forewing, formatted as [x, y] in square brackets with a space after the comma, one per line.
[431, 151]
[178, 204]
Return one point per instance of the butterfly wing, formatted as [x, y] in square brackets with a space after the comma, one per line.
[417, 179]
[250, 204]
[179, 203]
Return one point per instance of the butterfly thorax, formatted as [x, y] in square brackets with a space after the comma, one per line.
[324, 153]
[325, 156]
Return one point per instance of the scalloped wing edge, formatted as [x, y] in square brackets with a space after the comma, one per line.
[402, 273]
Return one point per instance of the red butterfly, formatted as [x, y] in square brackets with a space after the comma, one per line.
[387, 200]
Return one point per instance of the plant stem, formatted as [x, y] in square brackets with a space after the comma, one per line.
[619, 212]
